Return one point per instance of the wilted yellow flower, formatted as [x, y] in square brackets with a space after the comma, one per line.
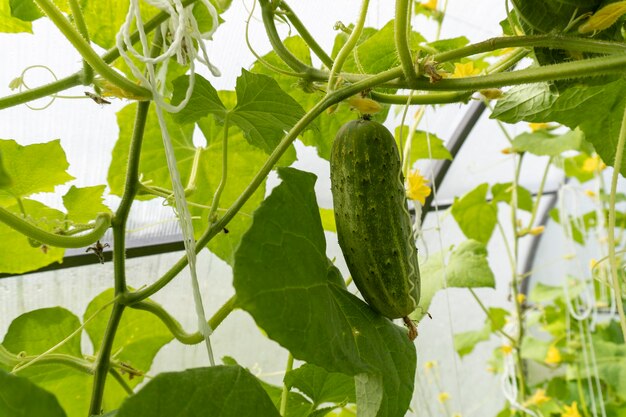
[464, 70]
[571, 411]
[364, 105]
[538, 398]
[443, 397]
[506, 349]
[417, 188]
[430, 4]
[538, 126]
[553, 357]
[507, 151]
[520, 298]
[537, 230]
[593, 164]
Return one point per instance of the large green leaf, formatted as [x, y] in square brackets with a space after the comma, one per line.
[140, 335]
[263, 111]
[22, 398]
[295, 294]
[320, 385]
[544, 16]
[10, 24]
[610, 363]
[475, 216]
[37, 331]
[33, 168]
[467, 267]
[27, 10]
[225, 391]
[83, 204]
[244, 162]
[544, 143]
[21, 254]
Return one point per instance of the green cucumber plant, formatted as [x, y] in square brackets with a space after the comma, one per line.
[354, 360]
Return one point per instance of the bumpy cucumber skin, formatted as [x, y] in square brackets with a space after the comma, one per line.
[373, 223]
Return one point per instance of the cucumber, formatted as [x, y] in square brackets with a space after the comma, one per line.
[372, 218]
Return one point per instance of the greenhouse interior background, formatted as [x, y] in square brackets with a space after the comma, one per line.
[88, 132]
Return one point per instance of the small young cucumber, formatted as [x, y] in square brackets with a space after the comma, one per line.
[373, 222]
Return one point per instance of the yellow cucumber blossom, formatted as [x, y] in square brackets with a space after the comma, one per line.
[553, 357]
[520, 298]
[506, 349]
[430, 4]
[538, 398]
[538, 126]
[593, 164]
[417, 187]
[465, 70]
[571, 411]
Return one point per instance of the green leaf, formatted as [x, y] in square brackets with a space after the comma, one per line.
[19, 253]
[34, 168]
[263, 111]
[203, 101]
[105, 18]
[544, 143]
[610, 363]
[22, 398]
[25, 10]
[10, 24]
[551, 16]
[524, 102]
[83, 204]
[320, 385]
[444, 45]
[71, 386]
[140, 335]
[328, 220]
[424, 145]
[225, 391]
[535, 349]
[465, 342]
[467, 267]
[497, 318]
[542, 293]
[5, 178]
[285, 281]
[475, 216]
[504, 192]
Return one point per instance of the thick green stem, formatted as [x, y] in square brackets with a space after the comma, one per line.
[259, 178]
[103, 360]
[267, 11]
[401, 37]
[347, 48]
[429, 98]
[79, 21]
[103, 221]
[305, 35]
[87, 52]
[619, 155]
[176, 328]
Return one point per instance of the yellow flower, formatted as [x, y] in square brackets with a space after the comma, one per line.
[417, 188]
[592, 263]
[538, 398]
[430, 365]
[593, 164]
[553, 357]
[443, 397]
[464, 70]
[430, 4]
[520, 298]
[538, 126]
[590, 193]
[571, 411]
[537, 230]
[506, 349]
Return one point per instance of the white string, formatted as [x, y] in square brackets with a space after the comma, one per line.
[184, 28]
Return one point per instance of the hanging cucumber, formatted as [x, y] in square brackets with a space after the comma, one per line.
[373, 222]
